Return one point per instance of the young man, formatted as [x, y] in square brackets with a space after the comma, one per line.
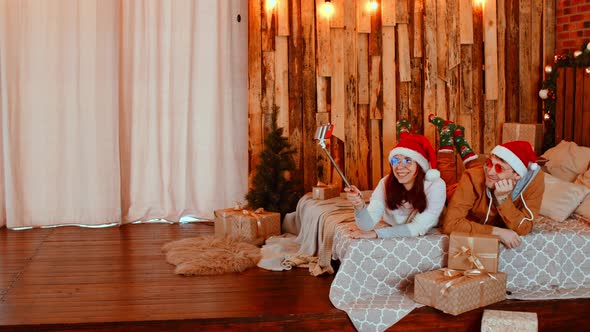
[501, 196]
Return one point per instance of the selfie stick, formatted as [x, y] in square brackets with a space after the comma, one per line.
[322, 133]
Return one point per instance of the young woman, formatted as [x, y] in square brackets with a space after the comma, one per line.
[409, 200]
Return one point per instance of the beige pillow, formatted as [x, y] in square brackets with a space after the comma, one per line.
[584, 208]
[567, 160]
[584, 179]
[561, 198]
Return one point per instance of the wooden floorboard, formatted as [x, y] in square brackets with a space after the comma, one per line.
[117, 279]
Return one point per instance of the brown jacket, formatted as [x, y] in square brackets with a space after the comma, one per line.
[468, 206]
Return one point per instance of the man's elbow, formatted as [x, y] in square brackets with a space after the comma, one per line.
[447, 227]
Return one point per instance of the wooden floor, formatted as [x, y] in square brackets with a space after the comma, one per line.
[116, 279]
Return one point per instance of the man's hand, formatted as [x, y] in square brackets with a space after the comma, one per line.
[503, 189]
[354, 195]
[358, 234]
[507, 236]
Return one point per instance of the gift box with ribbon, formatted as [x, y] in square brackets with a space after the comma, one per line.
[455, 292]
[322, 191]
[473, 251]
[509, 321]
[255, 226]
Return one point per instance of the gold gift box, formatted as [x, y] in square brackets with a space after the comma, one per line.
[325, 192]
[509, 321]
[473, 251]
[255, 226]
[531, 132]
[456, 292]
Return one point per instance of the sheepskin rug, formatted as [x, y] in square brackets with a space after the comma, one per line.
[208, 255]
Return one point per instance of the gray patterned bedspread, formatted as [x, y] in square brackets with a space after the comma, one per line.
[374, 283]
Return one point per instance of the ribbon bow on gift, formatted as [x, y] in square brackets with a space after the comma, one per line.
[456, 276]
[474, 257]
[255, 214]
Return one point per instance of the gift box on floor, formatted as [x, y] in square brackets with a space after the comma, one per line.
[531, 132]
[255, 226]
[455, 292]
[325, 191]
[473, 251]
[509, 321]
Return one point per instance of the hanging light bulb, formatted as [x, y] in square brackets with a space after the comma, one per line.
[328, 9]
[546, 116]
[587, 70]
[577, 53]
[372, 6]
[548, 69]
[543, 93]
[270, 5]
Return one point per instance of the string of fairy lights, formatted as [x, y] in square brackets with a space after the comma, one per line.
[577, 59]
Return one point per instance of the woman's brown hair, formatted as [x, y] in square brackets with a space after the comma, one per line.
[396, 193]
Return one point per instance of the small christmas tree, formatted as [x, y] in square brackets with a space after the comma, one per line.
[274, 187]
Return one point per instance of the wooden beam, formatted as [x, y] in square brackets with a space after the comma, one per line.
[490, 36]
[524, 56]
[388, 13]
[548, 32]
[466, 21]
[281, 86]
[337, 19]
[363, 19]
[430, 67]
[283, 18]
[375, 87]
[363, 68]
[389, 92]
[254, 85]
[337, 83]
[355, 168]
[376, 159]
[309, 98]
[418, 28]
[324, 53]
[405, 72]
[402, 14]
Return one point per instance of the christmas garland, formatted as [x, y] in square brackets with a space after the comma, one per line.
[579, 58]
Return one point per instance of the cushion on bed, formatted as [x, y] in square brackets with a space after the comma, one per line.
[584, 178]
[561, 198]
[584, 208]
[567, 160]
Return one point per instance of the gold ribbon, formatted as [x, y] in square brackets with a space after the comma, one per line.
[472, 257]
[456, 276]
[256, 215]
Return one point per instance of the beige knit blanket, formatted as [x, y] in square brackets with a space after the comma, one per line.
[318, 220]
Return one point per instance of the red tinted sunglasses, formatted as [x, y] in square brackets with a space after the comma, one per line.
[497, 167]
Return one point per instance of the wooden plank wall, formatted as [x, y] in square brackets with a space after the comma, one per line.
[478, 63]
[572, 109]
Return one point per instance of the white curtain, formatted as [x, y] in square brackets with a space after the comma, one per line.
[121, 110]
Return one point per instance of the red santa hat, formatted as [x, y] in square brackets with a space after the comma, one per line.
[518, 154]
[418, 148]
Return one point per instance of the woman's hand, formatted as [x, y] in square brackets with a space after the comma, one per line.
[508, 237]
[353, 194]
[358, 234]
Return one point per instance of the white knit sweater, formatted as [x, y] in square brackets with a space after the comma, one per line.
[367, 218]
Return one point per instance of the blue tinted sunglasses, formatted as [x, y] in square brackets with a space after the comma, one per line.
[405, 162]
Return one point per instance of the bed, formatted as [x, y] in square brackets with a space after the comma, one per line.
[374, 282]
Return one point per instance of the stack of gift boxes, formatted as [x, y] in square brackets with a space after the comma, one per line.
[471, 281]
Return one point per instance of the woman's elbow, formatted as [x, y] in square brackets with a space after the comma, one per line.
[446, 227]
